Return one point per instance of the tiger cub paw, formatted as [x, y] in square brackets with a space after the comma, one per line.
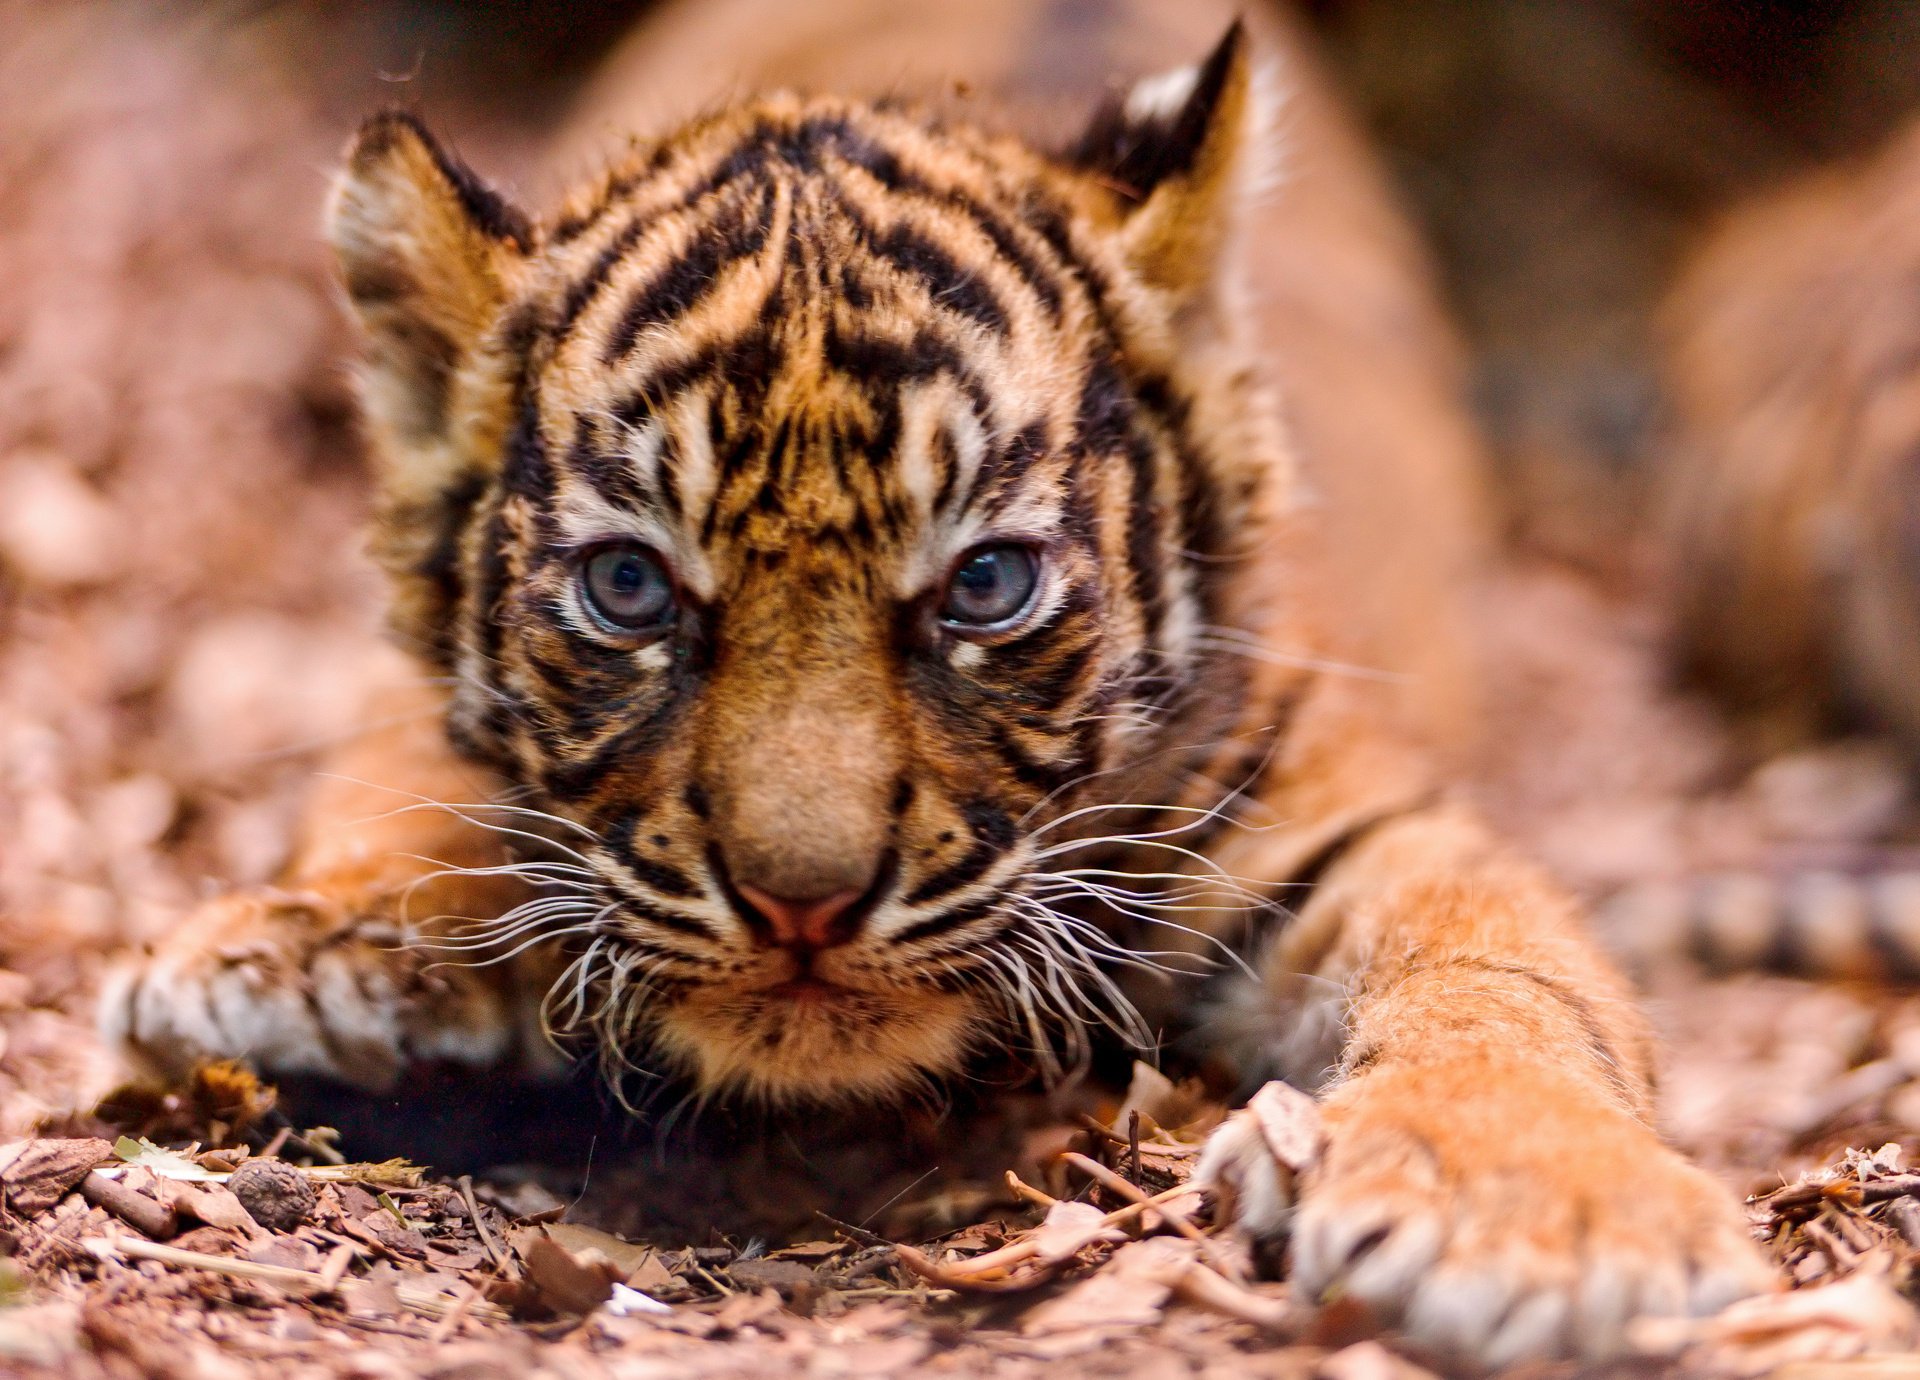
[1522, 1224]
[297, 982]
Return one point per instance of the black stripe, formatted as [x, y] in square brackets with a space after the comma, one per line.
[993, 834]
[946, 920]
[681, 284]
[947, 283]
[662, 877]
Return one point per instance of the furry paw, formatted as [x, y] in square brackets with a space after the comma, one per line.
[295, 983]
[1533, 1222]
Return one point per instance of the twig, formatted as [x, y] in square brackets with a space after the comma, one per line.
[334, 1268]
[487, 1243]
[1838, 1251]
[1133, 1147]
[456, 1315]
[1200, 1285]
[284, 1276]
[154, 1219]
[860, 1234]
[277, 1144]
[1028, 1193]
[1108, 1179]
[963, 1277]
[1147, 1147]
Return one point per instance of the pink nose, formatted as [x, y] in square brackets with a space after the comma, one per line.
[796, 924]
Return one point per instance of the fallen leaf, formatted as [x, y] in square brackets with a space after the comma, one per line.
[1130, 1291]
[212, 1204]
[568, 1281]
[162, 1163]
[628, 1255]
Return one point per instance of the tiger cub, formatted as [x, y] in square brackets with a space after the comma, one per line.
[875, 613]
[1792, 492]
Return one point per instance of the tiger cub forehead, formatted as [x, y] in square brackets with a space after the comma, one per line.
[817, 320]
[816, 329]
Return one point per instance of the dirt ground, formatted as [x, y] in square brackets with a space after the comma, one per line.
[184, 609]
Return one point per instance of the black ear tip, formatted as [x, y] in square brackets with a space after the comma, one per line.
[386, 130]
[1227, 56]
[393, 132]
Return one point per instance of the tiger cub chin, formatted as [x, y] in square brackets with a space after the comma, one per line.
[872, 610]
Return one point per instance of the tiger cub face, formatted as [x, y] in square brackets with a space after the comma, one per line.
[821, 509]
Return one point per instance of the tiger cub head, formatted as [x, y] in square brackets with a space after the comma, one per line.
[820, 514]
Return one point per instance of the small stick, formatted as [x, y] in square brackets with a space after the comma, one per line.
[450, 1324]
[860, 1234]
[334, 1268]
[153, 1219]
[487, 1243]
[953, 1278]
[277, 1144]
[1855, 1235]
[1133, 1147]
[1150, 1147]
[1108, 1179]
[1893, 1186]
[286, 1277]
[1198, 1284]
[1838, 1251]
[1028, 1193]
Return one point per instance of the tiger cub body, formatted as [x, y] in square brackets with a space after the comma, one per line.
[879, 621]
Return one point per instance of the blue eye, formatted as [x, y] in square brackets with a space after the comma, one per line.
[627, 587]
[992, 585]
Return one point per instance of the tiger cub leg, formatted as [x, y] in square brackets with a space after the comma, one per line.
[1491, 1183]
[340, 970]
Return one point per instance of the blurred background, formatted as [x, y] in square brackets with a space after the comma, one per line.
[185, 610]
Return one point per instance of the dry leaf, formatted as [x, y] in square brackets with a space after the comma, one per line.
[568, 1281]
[212, 1204]
[630, 1256]
[1131, 1291]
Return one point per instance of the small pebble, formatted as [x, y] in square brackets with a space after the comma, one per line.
[274, 1193]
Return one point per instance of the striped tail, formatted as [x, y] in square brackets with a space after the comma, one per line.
[1814, 924]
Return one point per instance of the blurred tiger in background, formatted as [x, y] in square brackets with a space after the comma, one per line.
[1789, 501]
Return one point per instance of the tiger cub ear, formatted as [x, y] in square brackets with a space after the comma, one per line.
[1176, 149]
[429, 255]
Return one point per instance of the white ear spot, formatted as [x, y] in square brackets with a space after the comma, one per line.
[1161, 96]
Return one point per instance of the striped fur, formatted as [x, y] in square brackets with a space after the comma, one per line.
[811, 351]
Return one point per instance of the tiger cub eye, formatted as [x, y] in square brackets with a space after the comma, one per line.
[991, 586]
[627, 588]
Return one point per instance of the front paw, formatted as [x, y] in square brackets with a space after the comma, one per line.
[294, 982]
[1515, 1216]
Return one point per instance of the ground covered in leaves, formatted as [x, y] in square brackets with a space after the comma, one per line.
[184, 612]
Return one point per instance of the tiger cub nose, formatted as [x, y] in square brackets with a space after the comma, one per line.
[803, 924]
